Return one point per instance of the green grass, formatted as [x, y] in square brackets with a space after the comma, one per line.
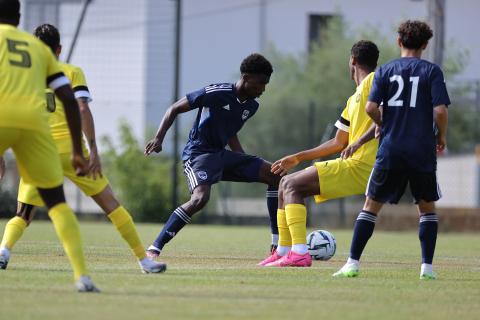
[212, 275]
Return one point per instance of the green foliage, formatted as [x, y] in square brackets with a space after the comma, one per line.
[8, 203]
[142, 183]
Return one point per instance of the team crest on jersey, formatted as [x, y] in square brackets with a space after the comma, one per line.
[202, 175]
[245, 114]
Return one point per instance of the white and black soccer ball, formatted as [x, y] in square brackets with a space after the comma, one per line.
[321, 245]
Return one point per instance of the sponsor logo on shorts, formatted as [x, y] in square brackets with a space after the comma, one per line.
[202, 175]
[245, 114]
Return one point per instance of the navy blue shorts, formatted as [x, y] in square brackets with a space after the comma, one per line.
[225, 165]
[389, 185]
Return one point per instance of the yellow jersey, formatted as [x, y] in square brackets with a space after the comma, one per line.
[57, 121]
[356, 122]
[27, 65]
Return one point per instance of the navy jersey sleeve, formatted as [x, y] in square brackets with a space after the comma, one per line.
[376, 92]
[438, 88]
[196, 99]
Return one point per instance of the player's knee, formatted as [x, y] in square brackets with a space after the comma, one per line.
[199, 200]
[289, 185]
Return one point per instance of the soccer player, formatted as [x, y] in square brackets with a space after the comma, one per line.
[414, 98]
[27, 65]
[327, 179]
[222, 110]
[95, 185]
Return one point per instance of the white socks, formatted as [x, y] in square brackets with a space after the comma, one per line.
[275, 239]
[300, 248]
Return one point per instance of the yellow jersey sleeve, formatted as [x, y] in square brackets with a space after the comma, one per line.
[55, 77]
[343, 123]
[57, 121]
[79, 84]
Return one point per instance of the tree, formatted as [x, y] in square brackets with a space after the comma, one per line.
[142, 183]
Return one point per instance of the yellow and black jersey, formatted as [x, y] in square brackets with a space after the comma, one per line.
[27, 65]
[57, 120]
[356, 122]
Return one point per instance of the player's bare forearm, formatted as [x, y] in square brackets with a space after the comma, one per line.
[181, 106]
[440, 114]
[72, 114]
[2, 168]
[88, 125]
[441, 119]
[234, 144]
[355, 145]
[155, 145]
[332, 146]
[374, 112]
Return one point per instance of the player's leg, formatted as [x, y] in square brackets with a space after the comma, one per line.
[383, 186]
[123, 222]
[39, 165]
[284, 239]
[426, 191]
[201, 172]
[14, 230]
[272, 181]
[179, 218]
[295, 188]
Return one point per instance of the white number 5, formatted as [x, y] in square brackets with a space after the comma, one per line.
[394, 101]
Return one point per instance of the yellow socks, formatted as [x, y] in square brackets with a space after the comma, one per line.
[66, 226]
[297, 222]
[285, 240]
[122, 220]
[13, 231]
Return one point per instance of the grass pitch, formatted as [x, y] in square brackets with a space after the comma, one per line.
[212, 275]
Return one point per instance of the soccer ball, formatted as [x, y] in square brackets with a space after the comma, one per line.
[321, 245]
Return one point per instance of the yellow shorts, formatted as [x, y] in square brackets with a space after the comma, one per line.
[28, 194]
[36, 155]
[341, 178]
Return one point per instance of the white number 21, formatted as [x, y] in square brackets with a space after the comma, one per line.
[394, 101]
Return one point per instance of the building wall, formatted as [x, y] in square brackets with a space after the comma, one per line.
[459, 179]
[126, 47]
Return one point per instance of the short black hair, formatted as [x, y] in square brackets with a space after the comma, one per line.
[49, 35]
[10, 10]
[414, 34]
[256, 64]
[366, 53]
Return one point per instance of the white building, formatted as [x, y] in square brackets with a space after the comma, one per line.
[126, 47]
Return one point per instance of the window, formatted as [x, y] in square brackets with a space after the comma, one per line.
[317, 24]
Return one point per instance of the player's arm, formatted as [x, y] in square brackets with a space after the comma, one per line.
[155, 145]
[374, 112]
[72, 114]
[440, 114]
[332, 146]
[234, 144]
[2, 168]
[88, 128]
[366, 137]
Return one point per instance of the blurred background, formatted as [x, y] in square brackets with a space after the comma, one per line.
[140, 56]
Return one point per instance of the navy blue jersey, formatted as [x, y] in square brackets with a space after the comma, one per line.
[409, 89]
[220, 116]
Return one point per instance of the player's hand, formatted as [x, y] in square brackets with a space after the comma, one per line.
[441, 143]
[2, 168]
[349, 150]
[282, 166]
[94, 165]
[80, 164]
[154, 145]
